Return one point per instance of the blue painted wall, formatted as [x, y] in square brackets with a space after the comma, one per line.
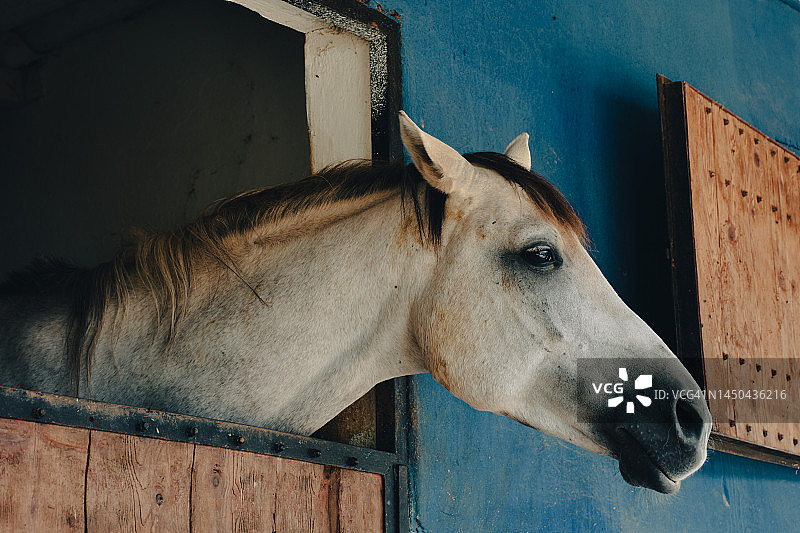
[581, 80]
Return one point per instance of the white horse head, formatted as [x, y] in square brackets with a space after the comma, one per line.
[515, 301]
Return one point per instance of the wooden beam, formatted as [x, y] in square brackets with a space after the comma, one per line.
[285, 14]
[337, 97]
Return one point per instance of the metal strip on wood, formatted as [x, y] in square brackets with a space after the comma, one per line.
[680, 218]
[61, 410]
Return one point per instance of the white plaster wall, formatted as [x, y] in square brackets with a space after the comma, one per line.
[144, 123]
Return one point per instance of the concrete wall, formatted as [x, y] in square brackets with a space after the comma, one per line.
[145, 122]
[580, 77]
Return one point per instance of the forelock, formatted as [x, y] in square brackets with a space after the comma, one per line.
[540, 191]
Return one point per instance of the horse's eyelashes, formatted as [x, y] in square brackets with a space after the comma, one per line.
[542, 256]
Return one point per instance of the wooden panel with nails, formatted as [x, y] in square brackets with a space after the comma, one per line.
[56, 478]
[745, 241]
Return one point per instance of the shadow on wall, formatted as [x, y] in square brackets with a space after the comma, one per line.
[634, 173]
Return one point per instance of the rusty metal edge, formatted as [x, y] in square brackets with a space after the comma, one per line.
[20, 404]
[742, 448]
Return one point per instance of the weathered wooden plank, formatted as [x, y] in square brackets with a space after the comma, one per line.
[706, 180]
[358, 510]
[136, 483]
[297, 487]
[784, 181]
[768, 238]
[233, 491]
[788, 183]
[337, 97]
[777, 332]
[41, 476]
[766, 245]
[738, 324]
[242, 491]
[744, 325]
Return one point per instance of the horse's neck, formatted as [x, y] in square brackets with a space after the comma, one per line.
[330, 321]
[32, 340]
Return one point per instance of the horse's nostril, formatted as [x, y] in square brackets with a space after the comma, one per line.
[690, 419]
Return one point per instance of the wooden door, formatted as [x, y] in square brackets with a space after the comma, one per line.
[734, 202]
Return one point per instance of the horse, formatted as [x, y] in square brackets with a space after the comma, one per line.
[280, 306]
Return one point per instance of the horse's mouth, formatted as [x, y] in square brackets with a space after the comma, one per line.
[639, 469]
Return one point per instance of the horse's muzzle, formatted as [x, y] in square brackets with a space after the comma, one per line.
[657, 455]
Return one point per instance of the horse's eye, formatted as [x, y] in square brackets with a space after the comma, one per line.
[541, 256]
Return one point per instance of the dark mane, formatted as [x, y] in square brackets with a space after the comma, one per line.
[161, 262]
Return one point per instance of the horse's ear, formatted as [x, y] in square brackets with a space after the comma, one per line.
[519, 151]
[441, 166]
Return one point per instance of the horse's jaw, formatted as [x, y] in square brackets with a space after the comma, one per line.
[638, 466]
[649, 478]
[639, 469]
